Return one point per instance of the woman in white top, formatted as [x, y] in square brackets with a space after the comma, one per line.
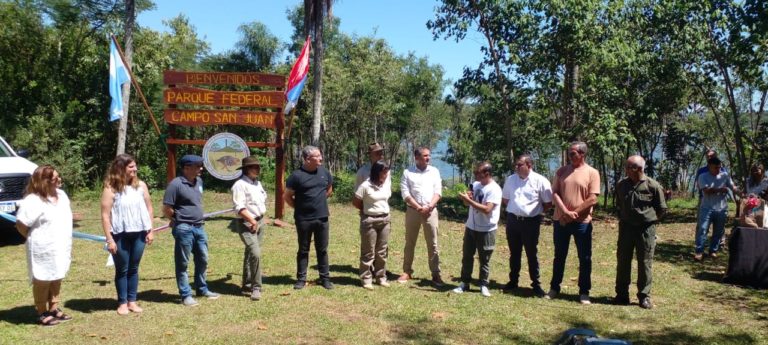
[126, 217]
[45, 219]
[371, 198]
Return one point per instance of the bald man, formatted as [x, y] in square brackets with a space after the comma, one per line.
[640, 200]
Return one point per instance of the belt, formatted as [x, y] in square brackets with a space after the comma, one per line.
[521, 218]
[377, 216]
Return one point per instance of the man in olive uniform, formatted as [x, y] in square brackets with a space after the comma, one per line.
[641, 204]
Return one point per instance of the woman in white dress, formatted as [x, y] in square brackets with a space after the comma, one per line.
[126, 218]
[45, 219]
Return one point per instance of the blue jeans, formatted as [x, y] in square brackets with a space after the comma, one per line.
[582, 235]
[130, 248]
[717, 219]
[190, 239]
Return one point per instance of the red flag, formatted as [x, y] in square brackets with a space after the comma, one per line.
[297, 78]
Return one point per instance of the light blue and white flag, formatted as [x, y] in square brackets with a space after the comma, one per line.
[118, 75]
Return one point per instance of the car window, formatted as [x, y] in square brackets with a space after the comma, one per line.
[4, 151]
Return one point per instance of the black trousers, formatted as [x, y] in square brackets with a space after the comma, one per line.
[305, 229]
[523, 233]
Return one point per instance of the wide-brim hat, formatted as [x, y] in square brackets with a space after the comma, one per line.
[191, 160]
[250, 161]
[375, 147]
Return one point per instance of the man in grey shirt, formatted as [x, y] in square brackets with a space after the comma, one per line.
[183, 205]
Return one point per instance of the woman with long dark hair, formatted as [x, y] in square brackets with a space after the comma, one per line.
[45, 219]
[372, 199]
[126, 217]
[757, 182]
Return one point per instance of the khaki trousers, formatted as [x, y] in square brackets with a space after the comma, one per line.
[46, 294]
[413, 222]
[374, 238]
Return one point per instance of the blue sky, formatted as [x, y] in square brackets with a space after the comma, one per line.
[402, 23]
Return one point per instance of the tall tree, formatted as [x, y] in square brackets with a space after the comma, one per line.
[130, 19]
[315, 14]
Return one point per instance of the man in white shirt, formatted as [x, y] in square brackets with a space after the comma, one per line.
[375, 154]
[250, 203]
[484, 203]
[421, 188]
[527, 196]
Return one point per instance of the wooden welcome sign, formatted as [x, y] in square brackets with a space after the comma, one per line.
[215, 107]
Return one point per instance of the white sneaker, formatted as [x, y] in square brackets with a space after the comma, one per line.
[384, 283]
[584, 299]
[484, 291]
[368, 286]
[462, 287]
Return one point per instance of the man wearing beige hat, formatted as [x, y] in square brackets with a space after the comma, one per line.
[375, 154]
[250, 203]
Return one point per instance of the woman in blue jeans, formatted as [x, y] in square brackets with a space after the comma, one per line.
[126, 217]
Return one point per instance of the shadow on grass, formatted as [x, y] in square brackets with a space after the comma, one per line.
[343, 279]
[91, 305]
[664, 335]
[431, 330]
[25, 314]
[224, 286]
[680, 254]
[679, 215]
[278, 280]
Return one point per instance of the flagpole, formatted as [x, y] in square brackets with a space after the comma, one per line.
[136, 84]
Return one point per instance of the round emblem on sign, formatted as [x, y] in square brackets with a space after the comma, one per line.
[222, 155]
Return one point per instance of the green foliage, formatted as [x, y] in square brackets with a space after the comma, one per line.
[343, 187]
[48, 143]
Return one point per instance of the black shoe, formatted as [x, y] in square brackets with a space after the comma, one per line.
[327, 284]
[621, 300]
[510, 286]
[645, 303]
[539, 292]
[299, 284]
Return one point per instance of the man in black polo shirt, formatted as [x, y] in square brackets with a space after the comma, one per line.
[307, 191]
[183, 205]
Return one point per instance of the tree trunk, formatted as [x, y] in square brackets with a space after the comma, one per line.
[130, 17]
[570, 84]
[317, 67]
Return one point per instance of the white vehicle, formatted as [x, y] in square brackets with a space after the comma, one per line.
[15, 171]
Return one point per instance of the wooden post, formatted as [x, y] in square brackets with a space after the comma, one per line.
[171, 169]
[280, 165]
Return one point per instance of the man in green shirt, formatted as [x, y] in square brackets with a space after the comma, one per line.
[640, 200]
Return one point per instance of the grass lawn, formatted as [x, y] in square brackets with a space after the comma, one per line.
[692, 306]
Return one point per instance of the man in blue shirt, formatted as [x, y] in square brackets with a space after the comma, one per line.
[183, 205]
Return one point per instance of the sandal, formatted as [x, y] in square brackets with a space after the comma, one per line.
[59, 315]
[47, 319]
